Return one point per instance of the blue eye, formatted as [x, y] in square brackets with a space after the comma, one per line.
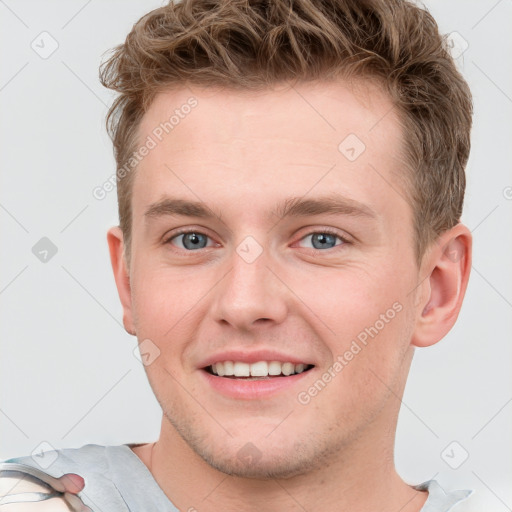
[194, 240]
[323, 240]
[190, 241]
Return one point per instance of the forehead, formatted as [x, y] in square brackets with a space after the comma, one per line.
[285, 139]
[326, 110]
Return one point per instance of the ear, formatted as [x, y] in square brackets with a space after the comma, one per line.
[121, 275]
[445, 273]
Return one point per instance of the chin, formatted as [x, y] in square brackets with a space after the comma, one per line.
[278, 456]
[266, 465]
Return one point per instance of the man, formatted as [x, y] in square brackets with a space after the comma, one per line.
[290, 185]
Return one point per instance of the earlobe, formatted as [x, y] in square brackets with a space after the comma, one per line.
[121, 275]
[447, 268]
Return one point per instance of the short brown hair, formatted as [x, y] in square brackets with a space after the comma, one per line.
[254, 44]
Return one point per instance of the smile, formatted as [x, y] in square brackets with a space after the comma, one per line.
[258, 370]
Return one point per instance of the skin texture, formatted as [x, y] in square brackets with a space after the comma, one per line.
[241, 155]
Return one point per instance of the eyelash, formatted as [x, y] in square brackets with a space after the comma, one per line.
[326, 231]
[184, 232]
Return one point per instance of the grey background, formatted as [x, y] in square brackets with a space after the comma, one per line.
[68, 372]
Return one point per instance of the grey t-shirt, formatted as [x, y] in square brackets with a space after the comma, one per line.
[116, 480]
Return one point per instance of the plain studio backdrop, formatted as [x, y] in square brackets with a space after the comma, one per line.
[69, 375]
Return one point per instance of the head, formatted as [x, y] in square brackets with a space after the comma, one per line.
[318, 154]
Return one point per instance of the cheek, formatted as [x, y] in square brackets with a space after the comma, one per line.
[347, 301]
[368, 368]
[163, 296]
[163, 306]
[364, 320]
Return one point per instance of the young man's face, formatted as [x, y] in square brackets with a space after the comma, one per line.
[330, 288]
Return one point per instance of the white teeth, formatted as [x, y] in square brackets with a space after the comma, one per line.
[299, 368]
[241, 369]
[287, 368]
[274, 368]
[229, 368]
[259, 369]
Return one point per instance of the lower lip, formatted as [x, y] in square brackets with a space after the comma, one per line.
[243, 389]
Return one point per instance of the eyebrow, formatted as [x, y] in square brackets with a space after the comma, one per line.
[170, 206]
[333, 204]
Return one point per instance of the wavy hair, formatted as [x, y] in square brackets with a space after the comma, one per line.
[254, 44]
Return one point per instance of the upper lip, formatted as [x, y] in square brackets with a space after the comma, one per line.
[254, 356]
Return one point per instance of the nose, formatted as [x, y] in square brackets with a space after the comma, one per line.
[250, 295]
